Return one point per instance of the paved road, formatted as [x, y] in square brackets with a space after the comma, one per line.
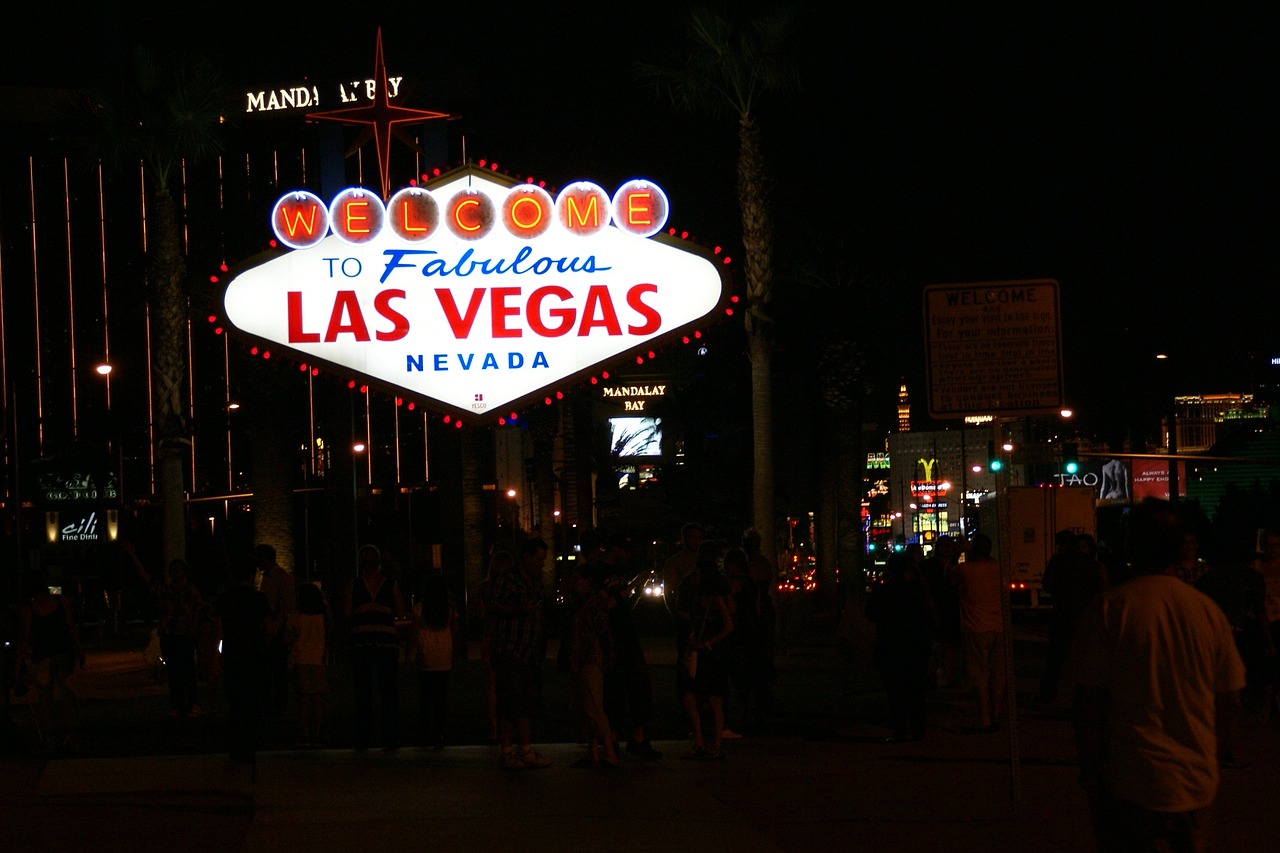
[819, 779]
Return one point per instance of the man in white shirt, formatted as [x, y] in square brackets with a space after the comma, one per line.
[1158, 685]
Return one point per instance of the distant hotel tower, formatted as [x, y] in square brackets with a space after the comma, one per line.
[904, 409]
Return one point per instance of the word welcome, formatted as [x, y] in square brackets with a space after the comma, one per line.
[415, 214]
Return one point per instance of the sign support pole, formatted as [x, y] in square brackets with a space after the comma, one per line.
[1003, 524]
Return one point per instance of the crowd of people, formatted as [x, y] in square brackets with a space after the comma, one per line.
[1156, 655]
[265, 645]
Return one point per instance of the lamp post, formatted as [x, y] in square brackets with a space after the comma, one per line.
[357, 448]
[1171, 421]
[514, 510]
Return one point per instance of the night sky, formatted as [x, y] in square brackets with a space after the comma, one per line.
[1130, 155]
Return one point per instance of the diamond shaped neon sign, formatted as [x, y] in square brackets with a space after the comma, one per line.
[464, 294]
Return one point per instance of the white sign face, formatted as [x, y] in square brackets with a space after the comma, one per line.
[479, 324]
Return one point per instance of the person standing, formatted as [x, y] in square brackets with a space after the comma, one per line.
[764, 575]
[1239, 591]
[499, 562]
[1158, 685]
[277, 585]
[49, 648]
[977, 580]
[627, 685]
[702, 678]
[1268, 565]
[676, 571]
[242, 614]
[518, 651]
[944, 667]
[182, 609]
[307, 629]
[1073, 579]
[681, 563]
[591, 653]
[435, 624]
[901, 611]
[371, 605]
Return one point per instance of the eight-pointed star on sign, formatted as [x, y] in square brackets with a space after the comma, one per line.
[381, 119]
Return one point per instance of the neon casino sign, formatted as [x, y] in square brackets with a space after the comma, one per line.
[475, 292]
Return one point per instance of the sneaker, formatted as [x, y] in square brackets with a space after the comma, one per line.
[643, 748]
[730, 734]
[510, 761]
[533, 760]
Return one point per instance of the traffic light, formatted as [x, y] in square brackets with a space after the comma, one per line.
[994, 462]
[1070, 458]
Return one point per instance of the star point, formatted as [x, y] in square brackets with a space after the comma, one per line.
[381, 119]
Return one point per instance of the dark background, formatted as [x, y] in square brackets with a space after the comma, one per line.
[1126, 152]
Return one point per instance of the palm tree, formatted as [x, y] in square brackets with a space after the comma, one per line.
[731, 66]
[163, 113]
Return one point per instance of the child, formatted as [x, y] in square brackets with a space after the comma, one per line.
[307, 630]
[433, 653]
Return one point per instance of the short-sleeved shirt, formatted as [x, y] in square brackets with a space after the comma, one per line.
[1163, 651]
[977, 580]
[517, 635]
[277, 586]
[181, 609]
[308, 631]
[243, 612]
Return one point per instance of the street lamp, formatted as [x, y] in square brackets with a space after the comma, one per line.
[357, 448]
[514, 509]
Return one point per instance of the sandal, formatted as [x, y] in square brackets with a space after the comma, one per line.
[695, 754]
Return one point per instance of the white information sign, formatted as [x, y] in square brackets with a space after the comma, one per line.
[993, 348]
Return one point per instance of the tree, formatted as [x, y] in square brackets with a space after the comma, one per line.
[732, 64]
[162, 113]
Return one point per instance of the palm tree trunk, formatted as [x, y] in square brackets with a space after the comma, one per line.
[169, 322]
[757, 241]
[852, 466]
[829, 506]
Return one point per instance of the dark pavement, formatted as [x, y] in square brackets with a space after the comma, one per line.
[819, 778]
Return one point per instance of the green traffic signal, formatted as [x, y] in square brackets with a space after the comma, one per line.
[1070, 460]
[994, 463]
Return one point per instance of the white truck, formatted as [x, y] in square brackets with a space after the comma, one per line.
[1036, 514]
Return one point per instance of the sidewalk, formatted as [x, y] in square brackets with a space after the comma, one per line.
[820, 781]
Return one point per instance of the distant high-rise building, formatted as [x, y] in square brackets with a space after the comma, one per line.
[1200, 418]
[904, 409]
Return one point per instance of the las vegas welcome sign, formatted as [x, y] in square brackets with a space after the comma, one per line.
[473, 291]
